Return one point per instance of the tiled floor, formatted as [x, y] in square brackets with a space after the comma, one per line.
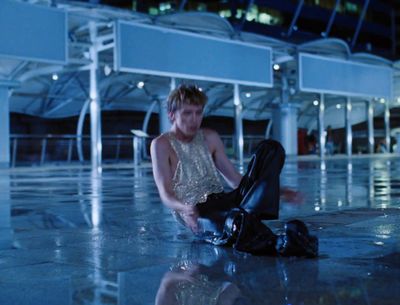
[69, 237]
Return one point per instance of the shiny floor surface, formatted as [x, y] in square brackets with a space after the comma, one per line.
[70, 237]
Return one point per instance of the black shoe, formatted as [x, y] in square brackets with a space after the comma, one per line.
[297, 241]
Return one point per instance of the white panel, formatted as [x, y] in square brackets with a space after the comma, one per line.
[327, 75]
[159, 51]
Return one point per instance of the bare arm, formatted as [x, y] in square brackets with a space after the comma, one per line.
[162, 172]
[221, 160]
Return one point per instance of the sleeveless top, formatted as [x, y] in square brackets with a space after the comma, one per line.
[195, 176]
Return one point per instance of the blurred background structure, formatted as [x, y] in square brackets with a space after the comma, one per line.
[321, 76]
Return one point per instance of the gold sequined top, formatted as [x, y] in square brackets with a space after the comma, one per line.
[200, 291]
[196, 176]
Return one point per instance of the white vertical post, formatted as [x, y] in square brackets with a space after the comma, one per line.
[321, 126]
[349, 133]
[4, 127]
[285, 127]
[164, 122]
[387, 125]
[6, 231]
[370, 116]
[239, 141]
[95, 107]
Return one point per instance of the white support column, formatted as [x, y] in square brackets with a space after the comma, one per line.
[6, 231]
[164, 122]
[285, 127]
[95, 105]
[387, 125]
[349, 133]
[398, 143]
[321, 126]
[239, 141]
[370, 116]
[4, 127]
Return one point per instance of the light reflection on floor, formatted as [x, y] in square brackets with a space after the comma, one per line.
[69, 237]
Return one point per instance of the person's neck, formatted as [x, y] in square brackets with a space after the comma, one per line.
[180, 136]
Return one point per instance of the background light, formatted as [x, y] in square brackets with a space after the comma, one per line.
[315, 103]
[338, 106]
[248, 94]
[54, 76]
[140, 85]
[107, 70]
[276, 67]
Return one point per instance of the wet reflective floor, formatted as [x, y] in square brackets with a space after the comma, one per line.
[70, 237]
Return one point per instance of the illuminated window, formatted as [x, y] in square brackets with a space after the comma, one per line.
[153, 11]
[252, 13]
[225, 13]
[351, 7]
[202, 7]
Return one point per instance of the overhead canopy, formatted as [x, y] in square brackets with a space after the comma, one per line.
[40, 94]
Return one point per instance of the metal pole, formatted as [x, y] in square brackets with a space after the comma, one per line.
[239, 142]
[370, 116]
[43, 150]
[268, 129]
[359, 24]
[331, 19]
[349, 134]
[321, 126]
[146, 119]
[95, 107]
[14, 152]
[295, 17]
[165, 123]
[79, 130]
[4, 127]
[387, 125]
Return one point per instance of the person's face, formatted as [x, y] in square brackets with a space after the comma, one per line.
[188, 119]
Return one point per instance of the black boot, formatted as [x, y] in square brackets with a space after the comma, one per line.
[297, 241]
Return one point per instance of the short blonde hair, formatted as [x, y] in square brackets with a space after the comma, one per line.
[184, 94]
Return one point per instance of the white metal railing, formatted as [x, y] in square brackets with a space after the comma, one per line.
[54, 149]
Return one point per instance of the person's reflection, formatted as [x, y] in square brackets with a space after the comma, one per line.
[190, 283]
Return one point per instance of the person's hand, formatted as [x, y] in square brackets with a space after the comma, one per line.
[292, 196]
[190, 215]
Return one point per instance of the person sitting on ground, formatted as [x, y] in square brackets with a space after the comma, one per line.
[187, 163]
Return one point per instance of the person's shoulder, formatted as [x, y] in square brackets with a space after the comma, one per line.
[161, 142]
[212, 138]
[210, 133]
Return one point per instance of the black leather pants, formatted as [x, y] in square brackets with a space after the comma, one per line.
[257, 193]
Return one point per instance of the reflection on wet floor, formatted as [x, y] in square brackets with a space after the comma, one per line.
[71, 237]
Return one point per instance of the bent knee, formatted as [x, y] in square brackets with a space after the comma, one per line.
[272, 146]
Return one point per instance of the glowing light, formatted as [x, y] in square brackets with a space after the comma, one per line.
[338, 106]
[140, 85]
[382, 101]
[276, 67]
[248, 94]
[107, 70]
[54, 76]
[315, 102]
